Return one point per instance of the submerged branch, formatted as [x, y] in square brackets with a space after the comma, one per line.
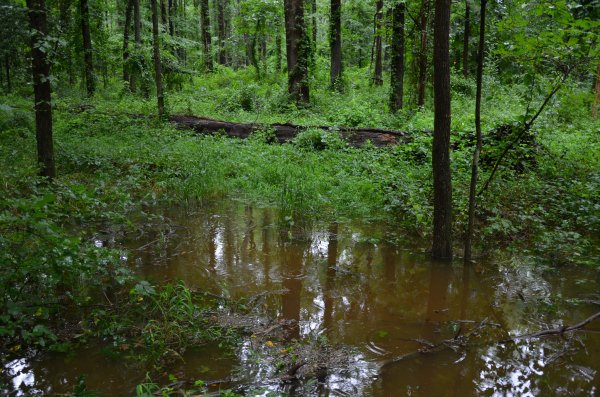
[555, 331]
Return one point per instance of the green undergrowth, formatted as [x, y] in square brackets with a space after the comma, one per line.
[114, 167]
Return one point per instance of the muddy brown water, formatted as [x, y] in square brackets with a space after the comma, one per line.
[347, 284]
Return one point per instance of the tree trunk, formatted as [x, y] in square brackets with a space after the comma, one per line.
[597, 94]
[475, 165]
[465, 55]
[313, 47]
[298, 50]
[7, 66]
[397, 64]
[253, 57]
[378, 79]
[335, 41]
[137, 32]
[423, 56]
[164, 14]
[278, 52]
[442, 183]
[128, 12]
[171, 17]
[206, 39]
[157, 66]
[221, 7]
[40, 68]
[87, 48]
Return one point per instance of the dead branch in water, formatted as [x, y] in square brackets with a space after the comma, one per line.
[555, 331]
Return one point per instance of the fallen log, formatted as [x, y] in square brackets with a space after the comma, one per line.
[287, 132]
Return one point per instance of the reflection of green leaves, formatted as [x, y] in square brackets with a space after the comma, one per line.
[382, 334]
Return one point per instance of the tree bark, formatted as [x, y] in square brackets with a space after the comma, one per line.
[128, 12]
[137, 32]
[156, 55]
[423, 56]
[335, 41]
[164, 14]
[40, 68]
[287, 132]
[313, 42]
[278, 50]
[88, 61]
[467, 33]
[221, 7]
[397, 64]
[597, 94]
[171, 17]
[7, 66]
[478, 146]
[206, 39]
[298, 51]
[442, 183]
[378, 77]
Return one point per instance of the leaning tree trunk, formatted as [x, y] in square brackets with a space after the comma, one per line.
[377, 78]
[206, 39]
[465, 55]
[88, 61]
[442, 183]
[298, 50]
[475, 165]
[397, 69]
[423, 56]
[156, 55]
[128, 12]
[40, 68]
[335, 41]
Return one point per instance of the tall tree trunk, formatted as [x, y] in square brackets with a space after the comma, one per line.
[477, 151]
[40, 68]
[137, 33]
[278, 50]
[128, 12]
[164, 13]
[442, 182]
[87, 48]
[597, 94]
[171, 17]
[206, 39]
[253, 57]
[298, 50]
[156, 55]
[335, 41]
[423, 55]
[313, 42]
[465, 55]
[7, 66]
[397, 69]
[221, 7]
[378, 77]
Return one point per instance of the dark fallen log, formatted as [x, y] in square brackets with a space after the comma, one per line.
[287, 132]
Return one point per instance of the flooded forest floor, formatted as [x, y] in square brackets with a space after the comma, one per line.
[162, 261]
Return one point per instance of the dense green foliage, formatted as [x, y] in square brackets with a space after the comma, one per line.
[116, 163]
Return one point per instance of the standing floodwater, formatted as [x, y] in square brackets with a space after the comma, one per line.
[386, 304]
